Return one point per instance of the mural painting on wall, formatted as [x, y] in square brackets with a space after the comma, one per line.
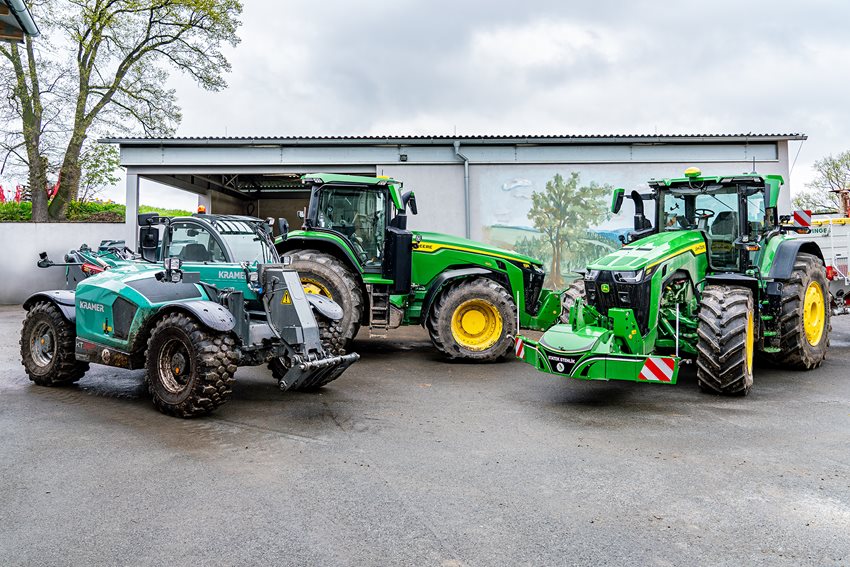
[560, 223]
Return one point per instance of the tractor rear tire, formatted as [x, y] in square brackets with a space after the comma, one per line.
[189, 367]
[326, 275]
[804, 317]
[574, 291]
[47, 347]
[473, 320]
[726, 341]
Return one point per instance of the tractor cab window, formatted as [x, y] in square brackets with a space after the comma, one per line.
[715, 213]
[358, 213]
[194, 243]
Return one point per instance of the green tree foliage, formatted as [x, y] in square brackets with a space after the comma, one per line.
[99, 164]
[832, 176]
[563, 213]
[107, 69]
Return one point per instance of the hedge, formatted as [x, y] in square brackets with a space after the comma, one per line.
[92, 211]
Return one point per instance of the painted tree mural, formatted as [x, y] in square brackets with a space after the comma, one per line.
[563, 213]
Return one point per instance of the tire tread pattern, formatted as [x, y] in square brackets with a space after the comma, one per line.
[721, 347]
[65, 368]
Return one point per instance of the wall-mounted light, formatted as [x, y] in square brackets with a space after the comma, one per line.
[402, 157]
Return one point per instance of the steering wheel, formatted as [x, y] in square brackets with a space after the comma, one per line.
[704, 214]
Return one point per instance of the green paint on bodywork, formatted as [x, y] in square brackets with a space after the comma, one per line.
[394, 185]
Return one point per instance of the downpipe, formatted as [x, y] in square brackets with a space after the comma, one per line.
[465, 159]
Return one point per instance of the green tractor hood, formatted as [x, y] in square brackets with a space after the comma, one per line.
[651, 250]
[434, 241]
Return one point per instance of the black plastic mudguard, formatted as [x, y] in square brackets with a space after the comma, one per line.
[62, 298]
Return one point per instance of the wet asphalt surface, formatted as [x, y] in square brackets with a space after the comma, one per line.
[409, 460]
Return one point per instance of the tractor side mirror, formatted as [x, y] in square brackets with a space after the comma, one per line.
[283, 227]
[408, 201]
[617, 200]
[148, 242]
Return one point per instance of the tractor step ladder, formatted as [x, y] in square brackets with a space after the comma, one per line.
[379, 320]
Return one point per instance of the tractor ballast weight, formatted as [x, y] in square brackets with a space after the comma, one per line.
[717, 280]
[189, 320]
[355, 248]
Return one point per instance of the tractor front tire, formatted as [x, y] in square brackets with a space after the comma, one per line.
[326, 275]
[47, 347]
[189, 367]
[726, 343]
[568, 298]
[804, 316]
[473, 320]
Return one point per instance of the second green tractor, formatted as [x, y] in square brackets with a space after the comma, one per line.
[355, 248]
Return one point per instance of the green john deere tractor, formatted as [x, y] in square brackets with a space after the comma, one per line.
[716, 280]
[355, 249]
[220, 299]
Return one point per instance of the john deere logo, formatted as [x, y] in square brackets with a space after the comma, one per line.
[605, 288]
[287, 300]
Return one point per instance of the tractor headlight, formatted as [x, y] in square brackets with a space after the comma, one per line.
[173, 264]
[629, 277]
[591, 275]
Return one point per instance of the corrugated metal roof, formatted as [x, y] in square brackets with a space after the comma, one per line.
[439, 140]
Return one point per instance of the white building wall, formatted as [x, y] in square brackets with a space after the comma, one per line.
[22, 243]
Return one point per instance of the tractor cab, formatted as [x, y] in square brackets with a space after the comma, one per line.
[734, 214]
[370, 216]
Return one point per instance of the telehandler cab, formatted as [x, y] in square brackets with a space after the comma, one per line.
[716, 279]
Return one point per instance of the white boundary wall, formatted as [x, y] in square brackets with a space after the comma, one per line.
[20, 244]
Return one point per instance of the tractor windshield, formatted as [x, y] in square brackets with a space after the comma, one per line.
[714, 211]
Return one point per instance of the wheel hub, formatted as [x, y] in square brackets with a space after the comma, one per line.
[476, 324]
[42, 344]
[814, 313]
[175, 367]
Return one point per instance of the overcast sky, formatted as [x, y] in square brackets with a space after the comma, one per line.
[337, 67]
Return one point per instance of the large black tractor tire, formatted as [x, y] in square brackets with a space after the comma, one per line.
[473, 320]
[332, 342]
[47, 347]
[726, 341]
[189, 367]
[804, 318]
[326, 275]
[574, 291]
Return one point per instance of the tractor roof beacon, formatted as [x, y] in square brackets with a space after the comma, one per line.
[354, 247]
[717, 279]
[221, 298]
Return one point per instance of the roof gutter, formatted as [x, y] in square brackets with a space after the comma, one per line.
[22, 14]
[465, 187]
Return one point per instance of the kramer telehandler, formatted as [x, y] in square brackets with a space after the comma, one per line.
[716, 279]
[354, 247]
[218, 300]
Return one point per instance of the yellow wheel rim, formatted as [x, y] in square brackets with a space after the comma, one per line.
[751, 339]
[814, 313]
[314, 287]
[476, 324]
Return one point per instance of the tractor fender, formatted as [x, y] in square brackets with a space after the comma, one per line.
[786, 255]
[326, 306]
[325, 245]
[62, 298]
[208, 313]
[445, 278]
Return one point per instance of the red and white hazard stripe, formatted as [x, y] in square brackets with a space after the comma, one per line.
[657, 369]
[803, 218]
[519, 347]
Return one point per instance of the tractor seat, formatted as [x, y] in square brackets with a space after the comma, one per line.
[195, 253]
[725, 225]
